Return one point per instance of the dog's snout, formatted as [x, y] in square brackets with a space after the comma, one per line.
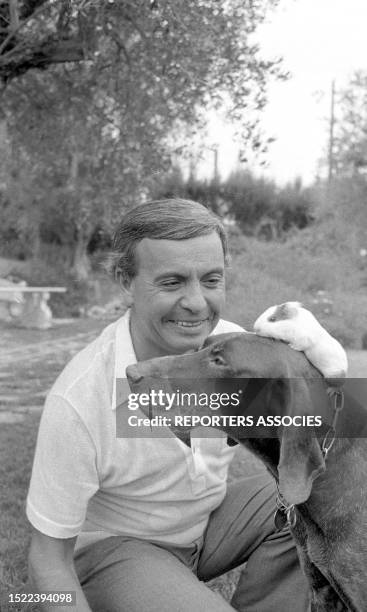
[133, 374]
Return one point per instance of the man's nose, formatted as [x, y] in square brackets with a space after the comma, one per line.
[193, 298]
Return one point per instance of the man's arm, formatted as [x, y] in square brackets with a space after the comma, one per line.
[51, 568]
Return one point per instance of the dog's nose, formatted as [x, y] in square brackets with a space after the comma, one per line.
[133, 374]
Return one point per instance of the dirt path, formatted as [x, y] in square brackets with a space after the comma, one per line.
[30, 360]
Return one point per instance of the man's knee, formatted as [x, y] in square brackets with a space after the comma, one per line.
[137, 576]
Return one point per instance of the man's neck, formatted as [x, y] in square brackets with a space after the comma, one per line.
[142, 350]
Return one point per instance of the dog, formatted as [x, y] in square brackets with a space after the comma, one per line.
[321, 478]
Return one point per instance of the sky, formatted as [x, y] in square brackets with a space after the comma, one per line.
[320, 40]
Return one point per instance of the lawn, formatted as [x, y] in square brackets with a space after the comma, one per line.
[17, 442]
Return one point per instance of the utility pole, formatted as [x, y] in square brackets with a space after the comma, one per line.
[215, 168]
[331, 132]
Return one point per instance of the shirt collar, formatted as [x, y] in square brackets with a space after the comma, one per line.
[124, 356]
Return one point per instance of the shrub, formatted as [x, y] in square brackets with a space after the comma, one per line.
[258, 206]
[263, 209]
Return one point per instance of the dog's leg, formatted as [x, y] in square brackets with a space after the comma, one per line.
[324, 598]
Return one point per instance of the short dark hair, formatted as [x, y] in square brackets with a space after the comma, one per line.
[171, 219]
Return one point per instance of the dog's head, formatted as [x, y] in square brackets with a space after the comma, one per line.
[275, 381]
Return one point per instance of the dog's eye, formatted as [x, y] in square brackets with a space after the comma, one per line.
[218, 360]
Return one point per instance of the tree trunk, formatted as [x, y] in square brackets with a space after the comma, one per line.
[80, 267]
[35, 243]
[4, 152]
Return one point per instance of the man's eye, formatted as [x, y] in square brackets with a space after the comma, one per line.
[213, 281]
[170, 284]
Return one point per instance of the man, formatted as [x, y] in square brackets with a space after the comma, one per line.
[138, 524]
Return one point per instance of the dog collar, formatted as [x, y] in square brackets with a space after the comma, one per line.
[285, 514]
[337, 395]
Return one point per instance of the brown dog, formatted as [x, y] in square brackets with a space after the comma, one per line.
[324, 493]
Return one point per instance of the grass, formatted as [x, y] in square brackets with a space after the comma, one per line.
[17, 444]
[301, 269]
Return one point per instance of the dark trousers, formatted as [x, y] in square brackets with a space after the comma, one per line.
[122, 574]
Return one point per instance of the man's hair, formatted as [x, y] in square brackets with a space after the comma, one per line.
[173, 219]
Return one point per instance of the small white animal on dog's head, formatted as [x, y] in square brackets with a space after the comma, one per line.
[298, 327]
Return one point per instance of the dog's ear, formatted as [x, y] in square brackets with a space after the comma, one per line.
[301, 460]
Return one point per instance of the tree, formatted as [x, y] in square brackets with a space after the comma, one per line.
[350, 142]
[94, 132]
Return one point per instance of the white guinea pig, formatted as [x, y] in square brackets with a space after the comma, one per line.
[301, 330]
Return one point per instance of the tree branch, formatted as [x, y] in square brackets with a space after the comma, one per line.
[14, 15]
[29, 7]
[21, 24]
[121, 47]
[48, 52]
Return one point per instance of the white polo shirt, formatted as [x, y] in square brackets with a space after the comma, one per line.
[89, 483]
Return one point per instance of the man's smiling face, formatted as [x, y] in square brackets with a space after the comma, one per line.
[177, 294]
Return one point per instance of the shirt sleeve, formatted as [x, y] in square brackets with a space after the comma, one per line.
[64, 475]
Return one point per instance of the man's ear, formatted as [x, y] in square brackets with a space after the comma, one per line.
[301, 460]
[127, 286]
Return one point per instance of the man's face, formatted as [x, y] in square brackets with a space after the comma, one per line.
[177, 294]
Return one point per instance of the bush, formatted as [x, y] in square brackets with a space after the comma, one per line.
[258, 206]
[265, 210]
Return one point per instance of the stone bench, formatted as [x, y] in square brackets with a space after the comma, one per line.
[27, 306]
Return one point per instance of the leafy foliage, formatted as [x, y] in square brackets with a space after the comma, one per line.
[86, 136]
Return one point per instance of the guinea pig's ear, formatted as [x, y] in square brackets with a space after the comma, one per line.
[288, 310]
[301, 460]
